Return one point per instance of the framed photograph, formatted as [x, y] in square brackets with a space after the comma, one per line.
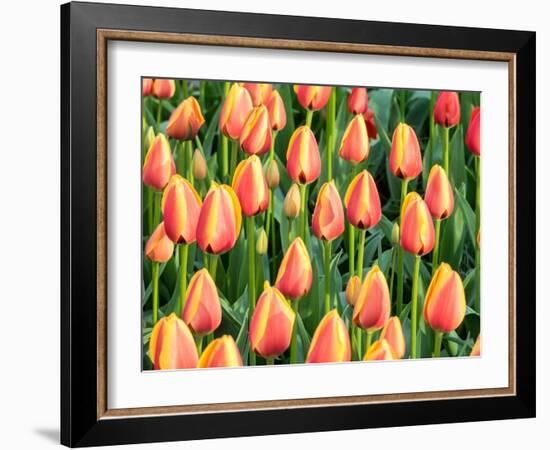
[272, 224]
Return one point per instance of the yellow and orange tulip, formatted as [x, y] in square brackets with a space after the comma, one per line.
[352, 290]
[291, 204]
[439, 193]
[417, 229]
[146, 86]
[295, 273]
[255, 138]
[447, 109]
[221, 352]
[172, 345]
[159, 165]
[355, 145]
[199, 165]
[312, 97]
[202, 311]
[472, 135]
[163, 88]
[303, 158]
[393, 334]
[379, 351]
[328, 216]
[159, 247]
[259, 92]
[276, 110]
[405, 157]
[358, 101]
[372, 308]
[186, 120]
[235, 111]
[250, 185]
[362, 201]
[330, 342]
[272, 174]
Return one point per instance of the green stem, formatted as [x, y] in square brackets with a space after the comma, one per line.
[272, 149]
[269, 361]
[294, 340]
[184, 88]
[150, 194]
[358, 342]
[435, 254]
[289, 230]
[392, 276]
[198, 340]
[251, 277]
[234, 152]
[202, 94]
[209, 338]
[351, 234]
[477, 303]
[156, 217]
[446, 149]
[361, 252]
[180, 160]
[309, 117]
[184, 252]
[159, 110]
[272, 240]
[404, 184]
[189, 161]
[437, 343]
[330, 121]
[369, 340]
[402, 104]
[213, 266]
[414, 305]
[432, 121]
[155, 275]
[327, 252]
[199, 144]
[303, 188]
[225, 158]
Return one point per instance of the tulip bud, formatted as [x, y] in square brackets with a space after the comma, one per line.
[219, 220]
[163, 88]
[476, 349]
[417, 229]
[295, 273]
[199, 165]
[271, 324]
[312, 97]
[259, 92]
[261, 242]
[202, 311]
[172, 345]
[291, 205]
[355, 142]
[235, 110]
[447, 109]
[256, 134]
[328, 216]
[276, 110]
[148, 138]
[478, 237]
[379, 351]
[146, 86]
[445, 302]
[352, 289]
[371, 124]
[472, 135]
[250, 186]
[272, 174]
[395, 234]
[159, 247]
[439, 193]
[186, 120]
[405, 157]
[303, 158]
[159, 165]
[358, 101]
[221, 352]
[372, 309]
[330, 342]
[362, 202]
[393, 334]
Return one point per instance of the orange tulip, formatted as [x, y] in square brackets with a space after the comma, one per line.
[171, 345]
[256, 135]
[328, 216]
[352, 290]
[312, 97]
[330, 341]
[472, 135]
[272, 323]
[295, 273]
[202, 311]
[159, 247]
[393, 334]
[358, 101]
[405, 157]
[291, 205]
[303, 158]
[447, 109]
[439, 193]
[159, 165]
[219, 220]
[250, 185]
[259, 92]
[355, 142]
[221, 352]
[146, 86]
[181, 207]
[276, 110]
[362, 201]
[417, 230]
[235, 110]
[379, 351]
[445, 303]
[186, 120]
[372, 308]
[163, 88]
[371, 124]
[476, 349]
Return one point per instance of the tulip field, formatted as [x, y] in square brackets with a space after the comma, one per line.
[299, 224]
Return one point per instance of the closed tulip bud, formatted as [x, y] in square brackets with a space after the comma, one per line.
[445, 302]
[181, 206]
[447, 109]
[291, 205]
[259, 92]
[476, 349]
[276, 110]
[261, 242]
[295, 273]
[417, 229]
[199, 165]
[272, 174]
[303, 158]
[328, 216]
[330, 342]
[358, 101]
[372, 309]
[405, 157]
[312, 97]
[355, 145]
[362, 201]
[172, 345]
[256, 134]
[352, 290]
[271, 324]
[159, 247]
[221, 352]
[159, 165]
[186, 120]
[235, 111]
[379, 351]
[146, 86]
[250, 186]
[219, 220]
[202, 311]
[439, 193]
[163, 88]
[395, 234]
[148, 138]
[393, 334]
[478, 237]
[472, 134]
[371, 124]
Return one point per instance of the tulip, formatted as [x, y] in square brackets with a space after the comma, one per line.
[312, 98]
[256, 134]
[158, 166]
[202, 311]
[148, 139]
[250, 185]
[291, 203]
[259, 92]
[171, 345]
[186, 120]
[379, 351]
[221, 352]
[447, 109]
[272, 175]
[355, 142]
[276, 110]
[235, 111]
[220, 219]
[271, 325]
[392, 333]
[371, 124]
[472, 134]
[303, 158]
[358, 101]
[163, 88]
[352, 289]
[261, 242]
[330, 342]
[417, 229]
[146, 86]
[199, 165]
[476, 349]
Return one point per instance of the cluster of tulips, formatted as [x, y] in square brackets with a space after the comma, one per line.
[192, 203]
